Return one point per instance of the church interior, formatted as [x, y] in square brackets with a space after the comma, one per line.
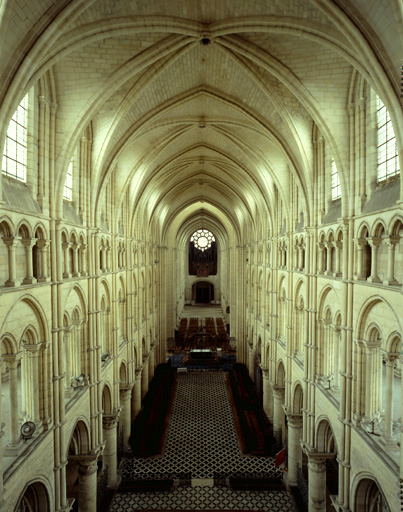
[206, 193]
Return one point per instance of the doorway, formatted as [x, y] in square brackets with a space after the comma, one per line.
[203, 292]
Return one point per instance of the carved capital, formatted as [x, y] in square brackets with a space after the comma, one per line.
[87, 465]
[316, 463]
[110, 421]
[294, 420]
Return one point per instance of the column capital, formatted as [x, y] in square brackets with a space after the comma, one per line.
[87, 464]
[392, 240]
[28, 242]
[294, 420]
[374, 241]
[371, 345]
[110, 421]
[12, 360]
[125, 394]
[42, 243]
[10, 240]
[278, 391]
[391, 357]
[317, 464]
[361, 242]
[32, 348]
[265, 371]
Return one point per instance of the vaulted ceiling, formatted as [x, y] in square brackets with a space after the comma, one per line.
[200, 108]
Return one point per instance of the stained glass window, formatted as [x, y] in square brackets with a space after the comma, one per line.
[202, 239]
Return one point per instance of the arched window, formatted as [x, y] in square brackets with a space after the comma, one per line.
[15, 148]
[336, 190]
[202, 254]
[388, 161]
[68, 184]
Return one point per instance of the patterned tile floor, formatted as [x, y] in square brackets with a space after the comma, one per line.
[201, 450]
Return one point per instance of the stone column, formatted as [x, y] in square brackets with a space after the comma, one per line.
[371, 385]
[390, 367]
[278, 412]
[102, 258]
[75, 260]
[321, 247]
[151, 362]
[374, 242]
[316, 483]
[251, 361]
[336, 344]
[294, 446]
[125, 415]
[361, 242]
[28, 243]
[299, 256]
[32, 354]
[67, 355]
[87, 484]
[12, 271]
[43, 247]
[329, 246]
[267, 393]
[1, 440]
[401, 415]
[390, 280]
[14, 432]
[136, 395]
[109, 458]
[108, 259]
[84, 270]
[144, 376]
[66, 271]
[338, 246]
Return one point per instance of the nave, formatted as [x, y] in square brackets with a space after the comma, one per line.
[201, 452]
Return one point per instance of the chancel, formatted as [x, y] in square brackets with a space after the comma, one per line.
[201, 255]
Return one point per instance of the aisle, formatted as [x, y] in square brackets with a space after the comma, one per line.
[201, 450]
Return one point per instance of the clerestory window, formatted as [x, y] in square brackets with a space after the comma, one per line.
[336, 190]
[68, 184]
[14, 162]
[388, 161]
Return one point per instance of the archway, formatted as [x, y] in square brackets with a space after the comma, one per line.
[279, 420]
[369, 497]
[34, 499]
[81, 470]
[203, 292]
[326, 444]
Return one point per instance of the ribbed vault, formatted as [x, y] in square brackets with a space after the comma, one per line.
[201, 104]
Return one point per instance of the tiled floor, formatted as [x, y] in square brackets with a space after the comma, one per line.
[201, 451]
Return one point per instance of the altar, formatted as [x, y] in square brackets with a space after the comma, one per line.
[201, 356]
[201, 353]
